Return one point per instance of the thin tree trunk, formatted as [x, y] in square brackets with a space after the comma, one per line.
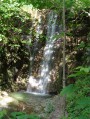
[64, 61]
[64, 42]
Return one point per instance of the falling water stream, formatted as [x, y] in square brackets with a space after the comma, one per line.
[40, 86]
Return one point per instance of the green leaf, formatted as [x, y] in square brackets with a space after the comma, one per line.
[68, 91]
[14, 114]
[23, 115]
[82, 117]
[2, 113]
[85, 69]
[85, 101]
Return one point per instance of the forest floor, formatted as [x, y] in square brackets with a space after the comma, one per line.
[47, 107]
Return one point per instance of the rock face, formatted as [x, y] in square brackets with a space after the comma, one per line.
[48, 26]
[59, 105]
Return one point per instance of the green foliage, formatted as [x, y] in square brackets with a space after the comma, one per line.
[17, 115]
[68, 91]
[2, 113]
[78, 100]
[14, 23]
[23, 115]
[42, 4]
[57, 4]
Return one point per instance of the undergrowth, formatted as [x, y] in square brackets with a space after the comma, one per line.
[78, 94]
[17, 115]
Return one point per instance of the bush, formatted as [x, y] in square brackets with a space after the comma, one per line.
[78, 100]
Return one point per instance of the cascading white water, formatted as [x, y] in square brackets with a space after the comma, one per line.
[47, 56]
[40, 85]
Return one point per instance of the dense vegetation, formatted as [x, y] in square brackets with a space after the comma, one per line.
[14, 56]
[12, 45]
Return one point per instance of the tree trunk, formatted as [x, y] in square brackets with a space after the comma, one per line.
[64, 42]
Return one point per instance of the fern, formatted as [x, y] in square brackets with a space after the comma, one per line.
[2, 113]
[68, 91]
[80, 71]
[82, 117]
[85, 101]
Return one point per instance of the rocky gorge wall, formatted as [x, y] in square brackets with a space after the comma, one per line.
[37, 49]
[56, 63]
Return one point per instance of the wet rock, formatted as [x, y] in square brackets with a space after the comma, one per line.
[3, 93]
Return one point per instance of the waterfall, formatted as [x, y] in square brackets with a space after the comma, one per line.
[40, 85]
